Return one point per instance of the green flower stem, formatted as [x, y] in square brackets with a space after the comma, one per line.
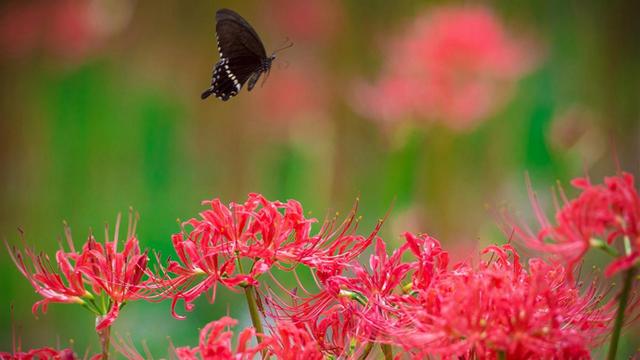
[253, 308]
[386, 350]
[105, 341]
[622, 307]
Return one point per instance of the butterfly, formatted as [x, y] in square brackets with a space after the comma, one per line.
[242, 56]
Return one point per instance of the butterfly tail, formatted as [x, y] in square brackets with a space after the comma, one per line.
[207, 93]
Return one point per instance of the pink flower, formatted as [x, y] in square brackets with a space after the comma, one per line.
[69, 29]
[20, 28]
[285, 341]
[310, 21]
[40, 354]
[291, 342]
[455, 65]
[215, 343]
[98, 270]
[500, 307]
[65, 286]
[263, 232]
[602, 215]
[431, 259]
[293, 95]
[355, 307]
[117, 274]
[66, 28]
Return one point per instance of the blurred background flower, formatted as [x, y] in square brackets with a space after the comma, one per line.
[100, 109]
[294, 94]
[66, 28]
[453, 64]
[307, 22]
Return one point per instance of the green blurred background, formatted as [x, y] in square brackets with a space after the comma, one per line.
[97, 118]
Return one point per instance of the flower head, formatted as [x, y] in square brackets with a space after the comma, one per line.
[351, 307]
[604, 215]
[40, 354]
[97, 270]
[501, 307]
[297, 94]
[288, 341]
[455, 65]
[67, 285]
[215, 343]
[261, 234]
[311, 21]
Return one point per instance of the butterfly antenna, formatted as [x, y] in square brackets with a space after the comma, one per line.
[287, 44]
[283, 65]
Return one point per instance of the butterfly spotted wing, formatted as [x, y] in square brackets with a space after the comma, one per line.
[242, 56]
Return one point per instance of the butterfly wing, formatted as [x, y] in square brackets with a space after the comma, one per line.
[235, 34]
[241, 55]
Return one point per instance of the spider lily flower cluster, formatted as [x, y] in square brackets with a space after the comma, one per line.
[411, 302]
[43, 353]
[263, 233]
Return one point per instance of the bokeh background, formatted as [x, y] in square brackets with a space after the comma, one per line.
[432, 111]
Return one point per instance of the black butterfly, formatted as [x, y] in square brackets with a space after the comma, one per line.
[242, 56]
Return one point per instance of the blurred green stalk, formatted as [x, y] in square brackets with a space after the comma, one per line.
[622, 307]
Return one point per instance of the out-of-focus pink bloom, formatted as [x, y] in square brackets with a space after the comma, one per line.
[602, 213]
[98, 270]
[215, 343]
[266, 233]
[40, 354]
[20, 28]
[292, 95]
[500, 307]
[455, 65]
[69, 29]
[310, 21]
[71, 32]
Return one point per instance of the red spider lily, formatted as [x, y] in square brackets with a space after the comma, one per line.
[118, 274]
[291, 342]
[65, 286]
[286, 341]
[81, 277]
[40, 354]
[260, 231]
[499, 307]
[456, 65]
[350, 310]
[431, 259]
[608, 212]
[215, 343]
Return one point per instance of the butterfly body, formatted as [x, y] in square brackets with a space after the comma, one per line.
[243, 57]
